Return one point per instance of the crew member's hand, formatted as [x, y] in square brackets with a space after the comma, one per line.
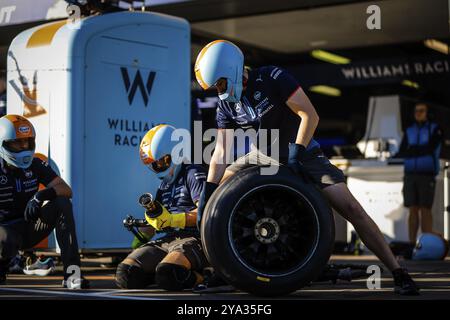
[297, 154]
[208, 190]
[167, 220]
[33, 210]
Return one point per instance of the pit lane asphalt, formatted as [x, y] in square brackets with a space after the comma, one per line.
[433, 277]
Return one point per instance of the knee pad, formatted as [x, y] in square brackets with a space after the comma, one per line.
[131, 277]
[173, 277]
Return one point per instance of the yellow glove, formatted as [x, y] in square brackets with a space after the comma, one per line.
[167, 220]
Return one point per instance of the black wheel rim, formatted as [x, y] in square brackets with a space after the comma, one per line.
[273, 230]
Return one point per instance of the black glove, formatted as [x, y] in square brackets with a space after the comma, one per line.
[33, 208]
[208, 190]
[297, 154]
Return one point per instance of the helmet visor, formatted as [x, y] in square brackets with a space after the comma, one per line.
[162, 164]
[221, 86]
[19, 145]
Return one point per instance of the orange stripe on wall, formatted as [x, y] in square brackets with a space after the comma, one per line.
[44, 35]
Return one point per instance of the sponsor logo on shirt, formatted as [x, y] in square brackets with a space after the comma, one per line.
[275, 73]
[266, 110]
[30, 183]
[3, 179]
[263, 103]
[257, 95]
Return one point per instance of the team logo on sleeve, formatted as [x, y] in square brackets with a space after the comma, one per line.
[275, 73]
[257, 95]
[237, 106]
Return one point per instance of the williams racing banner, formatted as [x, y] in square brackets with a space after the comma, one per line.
[374, 72]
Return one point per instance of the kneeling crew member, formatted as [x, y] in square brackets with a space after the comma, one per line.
[174, 258]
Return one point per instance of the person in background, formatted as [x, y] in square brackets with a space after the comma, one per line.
[420, 146]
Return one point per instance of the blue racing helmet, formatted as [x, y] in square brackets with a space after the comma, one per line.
[430, 246]
[221, 59]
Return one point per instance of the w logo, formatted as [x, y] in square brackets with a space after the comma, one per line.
[138, 83]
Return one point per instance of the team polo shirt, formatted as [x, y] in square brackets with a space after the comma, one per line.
[182, 194]
[18, 186]
[263, 106]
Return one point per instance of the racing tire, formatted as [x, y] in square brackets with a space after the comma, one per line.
[268, 235]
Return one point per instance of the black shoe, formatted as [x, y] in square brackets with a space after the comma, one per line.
[213, 283]
[4, 266]
[404, 284]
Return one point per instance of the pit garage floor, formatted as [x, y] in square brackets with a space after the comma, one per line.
[433, 277]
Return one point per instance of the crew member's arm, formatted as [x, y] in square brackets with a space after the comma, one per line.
[220, 155]
[55, 186]
[195, 179]
[218, 163]
[296, 100]
[173, 220]
[62, 189]
[191, 217]
[300, 104]
[403, 149]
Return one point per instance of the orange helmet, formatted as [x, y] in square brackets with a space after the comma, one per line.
[17, 140]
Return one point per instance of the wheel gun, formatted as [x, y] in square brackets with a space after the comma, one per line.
[152, 209]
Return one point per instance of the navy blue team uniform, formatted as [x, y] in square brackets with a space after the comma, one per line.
[17, 187]
[182, 195]
[177, 197]
[263, 106]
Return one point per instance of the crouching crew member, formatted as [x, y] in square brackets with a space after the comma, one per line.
[173, 259]
[270, 98]
[24, 218]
